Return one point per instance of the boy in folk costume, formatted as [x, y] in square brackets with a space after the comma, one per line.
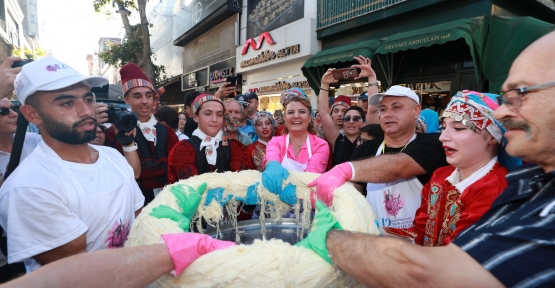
[208, 150]
[153, 140]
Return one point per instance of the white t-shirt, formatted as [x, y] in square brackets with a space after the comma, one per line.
[48, 202]
[31, 141]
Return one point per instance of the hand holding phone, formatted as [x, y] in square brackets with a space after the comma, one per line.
[345, 73]
[232, 79]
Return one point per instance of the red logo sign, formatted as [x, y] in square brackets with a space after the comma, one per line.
[256, 46]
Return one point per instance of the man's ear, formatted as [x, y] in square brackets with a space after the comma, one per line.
[31, 114]
[125, 98]
[417, 110]
[195, 118]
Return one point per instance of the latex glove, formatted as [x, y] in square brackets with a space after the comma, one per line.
[316, 240]
[289, 194]
[252, 197]
[167, 212]
[188, 203]
[216, 194]
[185, 248]
[327, 182]
[273, 176]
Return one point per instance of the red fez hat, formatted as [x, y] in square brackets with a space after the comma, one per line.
[342, 100]
[132, 76]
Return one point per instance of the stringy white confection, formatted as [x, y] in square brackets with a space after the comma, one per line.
[265, 263]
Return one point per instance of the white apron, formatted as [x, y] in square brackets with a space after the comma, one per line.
[395, 203]
[108, 214]
[291, 164]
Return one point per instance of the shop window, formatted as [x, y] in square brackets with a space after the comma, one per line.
[434, 95]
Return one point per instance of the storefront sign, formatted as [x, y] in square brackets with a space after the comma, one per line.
[195, 79]
[218, 76]
[269, 55]
[417, 41]
[252, 43]
[280, 86]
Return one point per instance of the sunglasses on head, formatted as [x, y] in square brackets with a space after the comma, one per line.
[355, 118]
[5, 110]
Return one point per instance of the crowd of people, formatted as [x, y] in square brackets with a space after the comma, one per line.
[453, 180]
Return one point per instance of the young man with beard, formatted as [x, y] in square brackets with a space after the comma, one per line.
[66, 197]
[234, 111]
[153, 140]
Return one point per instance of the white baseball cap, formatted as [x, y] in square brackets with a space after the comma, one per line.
[48, 74]
[396, 90]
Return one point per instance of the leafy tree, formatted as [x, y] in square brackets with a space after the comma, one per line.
[136, 46]
[28, 54]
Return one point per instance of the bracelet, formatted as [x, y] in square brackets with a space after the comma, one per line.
[130, 149]
[324, 89]
[373, 84]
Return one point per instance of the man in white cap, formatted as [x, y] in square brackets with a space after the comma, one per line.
[400, 163]
[66, 197]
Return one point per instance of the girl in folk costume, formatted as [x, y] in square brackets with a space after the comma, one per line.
[153, 140]
[264, 125]
[208, 149]
[458, 195]
[297, 149]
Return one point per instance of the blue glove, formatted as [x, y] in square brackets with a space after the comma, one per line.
[289, 194]
[273, 176]
[252, 195]
[216, 194]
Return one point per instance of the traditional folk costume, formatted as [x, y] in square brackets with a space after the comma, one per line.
[202, 153]
[256, 151]
[154, 140]
[449, 205]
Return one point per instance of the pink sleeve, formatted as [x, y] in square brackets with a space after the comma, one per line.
[320, 155]
[274, 150]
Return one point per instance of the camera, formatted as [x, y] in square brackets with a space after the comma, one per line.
[124, 120]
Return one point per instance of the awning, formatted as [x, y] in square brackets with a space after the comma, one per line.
[507, 37]
[470, 30]
[316, 66]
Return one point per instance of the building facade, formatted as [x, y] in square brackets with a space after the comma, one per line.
[436, 47]
[12, 34]
[100, 68]
[276, 37]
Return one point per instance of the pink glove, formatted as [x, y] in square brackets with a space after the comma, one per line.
[185, 248]
[327, 182]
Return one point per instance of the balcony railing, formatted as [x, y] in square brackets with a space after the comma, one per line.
[331, 12]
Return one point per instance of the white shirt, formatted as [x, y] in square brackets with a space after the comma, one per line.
[48, 202]
[31, 141]
[455, 177]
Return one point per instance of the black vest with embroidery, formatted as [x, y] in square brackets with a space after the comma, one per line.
[222, 159]
[154, 161]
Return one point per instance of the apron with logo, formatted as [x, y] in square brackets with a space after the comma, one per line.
[395, 203]
[291, 164]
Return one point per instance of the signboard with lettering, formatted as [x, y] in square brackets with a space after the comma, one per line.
[280, 86]
[407, 43]
[220, 71]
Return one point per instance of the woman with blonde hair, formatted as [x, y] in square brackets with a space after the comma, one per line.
[299, 149]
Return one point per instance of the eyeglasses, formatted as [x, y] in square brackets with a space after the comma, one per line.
[513, 98]
[6, 111]
[355, 118]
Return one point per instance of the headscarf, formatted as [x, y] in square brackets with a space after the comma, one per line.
[431, 119]
[294, 91]
[263, 114]
[475, 111]
[421, 124]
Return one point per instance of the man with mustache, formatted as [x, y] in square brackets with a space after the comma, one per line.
[512, 244]
[66, 197]
[392, 169]
[235, 110]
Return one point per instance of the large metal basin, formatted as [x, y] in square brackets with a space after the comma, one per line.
[286, 230]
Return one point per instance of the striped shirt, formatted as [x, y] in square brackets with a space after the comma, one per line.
[512, 240]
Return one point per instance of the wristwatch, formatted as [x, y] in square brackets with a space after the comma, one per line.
[373, 84]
